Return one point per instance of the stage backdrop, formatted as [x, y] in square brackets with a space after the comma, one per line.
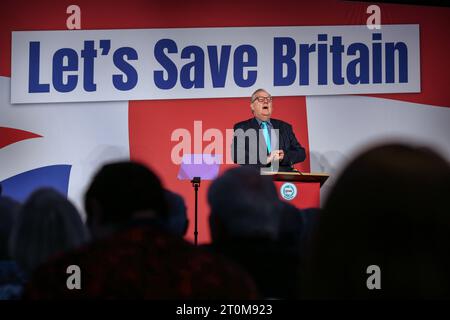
[141, 79]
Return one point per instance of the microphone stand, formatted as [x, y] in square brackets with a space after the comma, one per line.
[196, 184]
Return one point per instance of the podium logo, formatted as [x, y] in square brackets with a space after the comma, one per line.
[288, 191]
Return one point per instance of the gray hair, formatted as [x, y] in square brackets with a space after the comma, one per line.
[245, 203]
[47, 224]
[256, 92]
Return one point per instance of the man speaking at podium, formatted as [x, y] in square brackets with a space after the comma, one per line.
[265, 143]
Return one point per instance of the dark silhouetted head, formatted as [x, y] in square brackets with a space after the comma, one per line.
[177, 221]
[47, 224]
[243, 204]
[8, 212]
[389, 208]
[121, 192]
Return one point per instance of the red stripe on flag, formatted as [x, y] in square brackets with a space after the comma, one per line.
[10, 135]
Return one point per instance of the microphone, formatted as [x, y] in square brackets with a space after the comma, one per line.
[293, 168]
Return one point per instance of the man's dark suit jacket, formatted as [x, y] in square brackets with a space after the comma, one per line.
[293, 151]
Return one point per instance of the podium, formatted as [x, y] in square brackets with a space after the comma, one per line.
[300, 189]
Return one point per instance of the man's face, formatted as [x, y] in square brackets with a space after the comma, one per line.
[262, 109]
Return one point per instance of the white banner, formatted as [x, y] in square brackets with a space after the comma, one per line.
[145, 64]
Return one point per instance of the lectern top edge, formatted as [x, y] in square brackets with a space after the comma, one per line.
[293, 173]
[307, 177]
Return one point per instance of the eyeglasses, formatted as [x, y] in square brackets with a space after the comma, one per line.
[263, 99]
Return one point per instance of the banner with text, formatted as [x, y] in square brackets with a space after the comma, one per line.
[145, 64]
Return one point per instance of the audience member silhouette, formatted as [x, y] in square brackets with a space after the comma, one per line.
[245, 221]
[296, 227]
[46, 225]
[389, 208]
[8, 211]
[176, 221]
[133, 256]
[11, 278]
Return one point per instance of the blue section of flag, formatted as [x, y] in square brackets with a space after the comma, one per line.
[20, 186]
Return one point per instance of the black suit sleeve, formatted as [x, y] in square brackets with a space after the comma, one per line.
[234, 151]
[294, 152]
[244, 150]
[239, 147]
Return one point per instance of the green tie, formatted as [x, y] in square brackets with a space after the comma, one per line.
[266, 135]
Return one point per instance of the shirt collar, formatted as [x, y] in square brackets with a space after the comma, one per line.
[259, 122]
